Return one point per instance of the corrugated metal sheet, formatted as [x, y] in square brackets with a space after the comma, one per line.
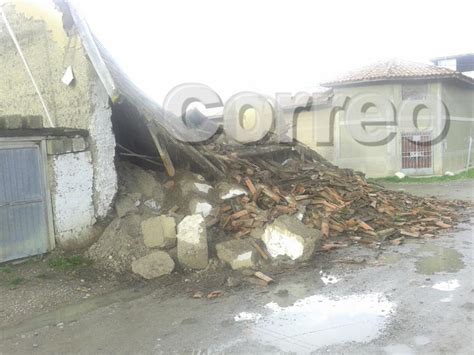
[23, 218]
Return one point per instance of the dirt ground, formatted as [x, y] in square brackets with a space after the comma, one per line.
[424, 289]
[41, 284]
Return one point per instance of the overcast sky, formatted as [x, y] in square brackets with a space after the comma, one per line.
[270, 46]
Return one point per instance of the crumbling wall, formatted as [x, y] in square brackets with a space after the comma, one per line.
[82, 104]
[72, 203]
[103, 151]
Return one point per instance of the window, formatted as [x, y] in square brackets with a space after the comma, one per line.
[414, 92]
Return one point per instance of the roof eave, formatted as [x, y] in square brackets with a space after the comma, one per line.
[460, 77]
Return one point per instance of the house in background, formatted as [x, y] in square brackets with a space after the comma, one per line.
[325, 129]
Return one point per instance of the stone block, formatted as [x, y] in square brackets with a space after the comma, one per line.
[153, 265]
[237, 253]
[287, 236]
[159, 232]
[192, 242]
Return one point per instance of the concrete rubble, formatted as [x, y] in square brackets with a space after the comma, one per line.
[263, 213]
[153, 265]
[127, 203]
[159, 232]
[237, 253]
[119, 245]
[228, 191]
[199, 205]
[135, 180]
[288, 236]
[193, 184]
[192, 242]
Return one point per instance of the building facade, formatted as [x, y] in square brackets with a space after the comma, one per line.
[57, 148]
[439, 140]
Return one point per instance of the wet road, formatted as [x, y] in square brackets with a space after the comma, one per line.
[413, 298]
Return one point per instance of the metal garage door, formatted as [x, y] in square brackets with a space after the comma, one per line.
[23, 207]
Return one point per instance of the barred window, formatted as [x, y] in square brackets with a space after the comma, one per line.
[414, 91]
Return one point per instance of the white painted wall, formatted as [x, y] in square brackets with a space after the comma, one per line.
[102, 142]
[71, 193]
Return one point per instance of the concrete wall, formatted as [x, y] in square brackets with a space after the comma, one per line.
[49, 51]
[72, 202]
[459, 99]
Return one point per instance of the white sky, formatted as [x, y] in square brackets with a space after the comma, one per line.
[268, 46]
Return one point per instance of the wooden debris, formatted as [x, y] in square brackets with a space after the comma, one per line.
[331, 246]
[409, 234]
[338, 202]
[165, 157]
[397, 241]
[197, 294]
[443, 225]
[364, 226]
[250, 186]
[263, 277]
[242, 233]
[325, 228]
[263, 253]
[214, 294]
[239, 214]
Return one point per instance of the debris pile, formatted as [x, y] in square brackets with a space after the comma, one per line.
[280, 204]
[337, 202]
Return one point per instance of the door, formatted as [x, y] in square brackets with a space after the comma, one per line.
[417, 158]
[23, 209]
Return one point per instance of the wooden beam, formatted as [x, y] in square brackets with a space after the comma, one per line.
[165, 157]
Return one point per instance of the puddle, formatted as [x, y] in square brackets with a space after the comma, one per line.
[446, 285]
[328, 279]
[421, 340]
[443, 260]
[247, 316]
[447, 299]
[398, 349]
[390, 259]
[317, 321]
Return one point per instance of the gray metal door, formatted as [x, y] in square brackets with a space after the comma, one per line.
[23, 207]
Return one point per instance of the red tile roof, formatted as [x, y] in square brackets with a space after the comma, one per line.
[396, 69]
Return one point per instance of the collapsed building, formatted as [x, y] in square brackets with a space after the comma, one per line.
[70, 117]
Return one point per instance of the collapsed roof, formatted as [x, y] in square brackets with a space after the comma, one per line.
[143, 122]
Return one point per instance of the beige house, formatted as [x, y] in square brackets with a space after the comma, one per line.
[439, 141]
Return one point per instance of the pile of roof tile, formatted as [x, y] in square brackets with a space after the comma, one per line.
[340, 203]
